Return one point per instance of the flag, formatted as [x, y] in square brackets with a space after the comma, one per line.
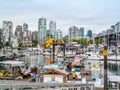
[76, 60]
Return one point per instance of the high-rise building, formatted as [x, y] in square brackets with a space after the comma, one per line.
[65, 37]
[58, 34]
[73, 33]
[52, 28]
[18, 32]
[27, 35]
[0, 34]
[89, 33]
[7, 31]
[81, 32]
[25, 26]
[117, 27]
[48, 34]
[34, 35]
[42, 31]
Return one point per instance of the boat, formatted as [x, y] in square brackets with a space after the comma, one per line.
[94, 56]
[87, 72]
[2, 58]
[10, 69]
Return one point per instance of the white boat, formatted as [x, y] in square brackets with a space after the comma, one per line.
[94, 56]
[60, 55]
[70, 54]
[45, 52]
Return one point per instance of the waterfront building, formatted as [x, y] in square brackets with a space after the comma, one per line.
[52, 28]
[58, 34]
[34, 36]
[7, 31]
[81, 32]
[73, 33]
[111, 36]
[89, 33]
[25, 26]
[18, 32]
[42, 31]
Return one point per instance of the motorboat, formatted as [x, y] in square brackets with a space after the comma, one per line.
[94, 56]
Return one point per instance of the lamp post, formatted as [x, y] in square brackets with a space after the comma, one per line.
[105, 53]
[54, 50]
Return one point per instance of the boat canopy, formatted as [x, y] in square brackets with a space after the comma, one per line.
[13, 63]
[96, 68]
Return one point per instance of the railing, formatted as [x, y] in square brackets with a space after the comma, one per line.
[20, 85]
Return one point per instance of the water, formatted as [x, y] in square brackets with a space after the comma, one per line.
[33, 60]
[40, 60]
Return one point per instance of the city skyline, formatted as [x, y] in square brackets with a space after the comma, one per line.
[97, 15]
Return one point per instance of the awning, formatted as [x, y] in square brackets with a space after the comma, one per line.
[97, 68]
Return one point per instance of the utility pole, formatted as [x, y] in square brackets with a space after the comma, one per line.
[105, 53]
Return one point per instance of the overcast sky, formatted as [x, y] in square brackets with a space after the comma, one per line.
[97, 15]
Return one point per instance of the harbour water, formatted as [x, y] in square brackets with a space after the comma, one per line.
[32, 60]
[40, 60]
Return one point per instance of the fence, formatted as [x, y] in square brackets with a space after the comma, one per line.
[20, 85]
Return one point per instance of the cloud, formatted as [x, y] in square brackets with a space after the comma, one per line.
[96, 15]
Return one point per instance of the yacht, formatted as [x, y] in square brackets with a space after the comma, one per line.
[94, 56]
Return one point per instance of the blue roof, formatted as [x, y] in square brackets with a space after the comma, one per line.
[37, 76]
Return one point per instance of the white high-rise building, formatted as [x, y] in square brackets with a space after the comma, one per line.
[58, 34]
[73, 33]
[81, 32]
[42, 31]
[7, 30]
[52, 28]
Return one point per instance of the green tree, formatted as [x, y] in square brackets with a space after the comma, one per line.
[101, 40]
[20, 45]
[34, 43]
[65, 41]
[7, 44]
[97, 41]
[1, 44]
[90, 41]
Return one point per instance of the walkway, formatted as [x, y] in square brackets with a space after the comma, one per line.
[20, 85]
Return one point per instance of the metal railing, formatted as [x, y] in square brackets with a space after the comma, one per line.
[21, 85]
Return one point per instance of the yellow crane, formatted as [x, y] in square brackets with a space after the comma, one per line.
[51, 41]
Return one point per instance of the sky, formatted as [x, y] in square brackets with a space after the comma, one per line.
[96, 15]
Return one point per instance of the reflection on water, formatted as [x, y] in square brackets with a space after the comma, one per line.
[33, 60]
[113, 68]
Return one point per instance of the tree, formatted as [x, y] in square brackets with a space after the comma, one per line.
[20, 45]
[90, 41]
[34, 43]
[65, 41]
[7, 44]
[97, 41]
[101, 40]
[1, 44]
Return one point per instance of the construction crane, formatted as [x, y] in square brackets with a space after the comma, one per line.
[51, 41]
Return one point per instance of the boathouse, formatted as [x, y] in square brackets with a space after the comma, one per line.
[54, 75]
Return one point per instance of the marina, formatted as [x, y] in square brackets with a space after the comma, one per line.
[92, 72]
